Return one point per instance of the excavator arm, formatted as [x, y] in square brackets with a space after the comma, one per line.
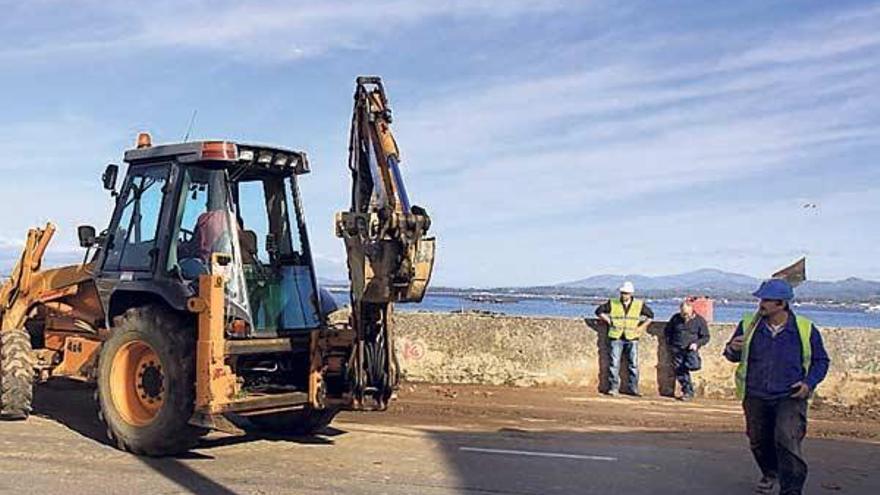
[390, 258]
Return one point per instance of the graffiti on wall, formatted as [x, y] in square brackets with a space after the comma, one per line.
[411, 350]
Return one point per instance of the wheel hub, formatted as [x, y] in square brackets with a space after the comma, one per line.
[150, 386]
[137, 383]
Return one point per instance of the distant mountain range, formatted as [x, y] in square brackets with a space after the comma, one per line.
[706, 280]
[720, 283]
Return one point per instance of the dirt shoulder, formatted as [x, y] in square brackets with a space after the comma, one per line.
[484, 407]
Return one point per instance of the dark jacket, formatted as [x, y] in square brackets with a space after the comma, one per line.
[775, 362]
[681, 333]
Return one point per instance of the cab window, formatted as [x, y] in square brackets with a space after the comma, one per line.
[134, 245]
[202, 226]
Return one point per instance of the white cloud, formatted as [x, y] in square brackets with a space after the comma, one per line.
[504, 159]
[539, 148]
[819, 38]
[261, 31]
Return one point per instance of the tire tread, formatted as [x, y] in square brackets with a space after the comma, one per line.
[176, 339]
[16, 374]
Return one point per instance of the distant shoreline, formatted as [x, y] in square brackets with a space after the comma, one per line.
[855, 315]
[597, 296]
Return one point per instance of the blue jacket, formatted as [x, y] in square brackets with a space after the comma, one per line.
[775, 362]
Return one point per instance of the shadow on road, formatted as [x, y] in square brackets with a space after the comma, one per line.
[72, 404]
[185, 477]
[523, 462]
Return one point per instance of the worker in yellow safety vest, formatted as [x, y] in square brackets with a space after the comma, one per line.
[781, 361]
[627, 319]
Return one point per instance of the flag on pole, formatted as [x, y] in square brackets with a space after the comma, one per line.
[794, 273]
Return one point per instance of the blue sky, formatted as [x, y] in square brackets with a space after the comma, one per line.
[549, 140]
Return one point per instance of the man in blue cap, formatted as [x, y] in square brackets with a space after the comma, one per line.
[781, 361]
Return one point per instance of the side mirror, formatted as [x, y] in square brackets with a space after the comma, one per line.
[109, 177]
[87, 237]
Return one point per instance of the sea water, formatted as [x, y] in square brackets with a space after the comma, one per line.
[725, 312]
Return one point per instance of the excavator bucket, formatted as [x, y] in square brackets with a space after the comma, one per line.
[386, 271]
[422, 256]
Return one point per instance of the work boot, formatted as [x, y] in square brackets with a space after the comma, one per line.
[766, 485]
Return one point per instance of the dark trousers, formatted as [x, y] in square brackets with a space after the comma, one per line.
[683, 360]
[776, 429]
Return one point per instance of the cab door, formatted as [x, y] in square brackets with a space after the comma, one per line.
[134, 244]
[133, 256]
[277, 264]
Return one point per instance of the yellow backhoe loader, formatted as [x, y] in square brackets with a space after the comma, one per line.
[200, 300]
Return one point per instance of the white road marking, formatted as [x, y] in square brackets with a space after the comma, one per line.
[539, 454]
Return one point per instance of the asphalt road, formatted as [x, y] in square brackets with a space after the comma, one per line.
[62, 450]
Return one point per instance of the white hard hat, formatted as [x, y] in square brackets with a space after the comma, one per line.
[627, 287]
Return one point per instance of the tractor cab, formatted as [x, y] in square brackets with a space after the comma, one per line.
[186, 210]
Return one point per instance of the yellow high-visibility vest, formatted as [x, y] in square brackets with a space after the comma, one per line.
[625, 323]
[749, 324]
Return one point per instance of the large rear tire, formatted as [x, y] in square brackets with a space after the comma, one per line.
[146, 383]
[16, 374]
[306, 421]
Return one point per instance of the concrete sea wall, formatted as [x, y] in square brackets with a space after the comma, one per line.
[531, 351]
